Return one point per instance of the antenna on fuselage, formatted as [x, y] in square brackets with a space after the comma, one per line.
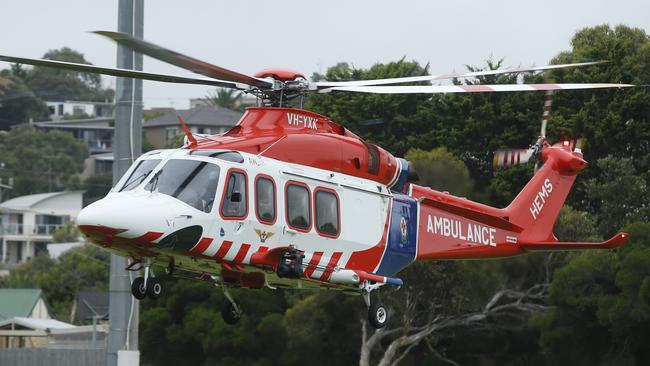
[190, 138]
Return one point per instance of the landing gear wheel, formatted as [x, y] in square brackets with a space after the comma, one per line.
[137, 288]
[377, 314]
[230, 313]
[154, 288]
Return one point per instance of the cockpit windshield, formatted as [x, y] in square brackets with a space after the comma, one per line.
[191, 181]
[139, 174]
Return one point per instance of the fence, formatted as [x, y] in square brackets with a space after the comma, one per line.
[52, 357]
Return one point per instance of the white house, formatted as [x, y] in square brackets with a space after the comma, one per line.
[59, 108]
[27, 224]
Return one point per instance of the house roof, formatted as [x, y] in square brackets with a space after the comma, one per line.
[205, 115]
[18, 302]
[32, 200]
[35, 324]
[99, 123]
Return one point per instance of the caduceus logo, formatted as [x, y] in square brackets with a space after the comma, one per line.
[263, 235]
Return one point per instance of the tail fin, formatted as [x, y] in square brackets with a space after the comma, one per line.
[538, 205]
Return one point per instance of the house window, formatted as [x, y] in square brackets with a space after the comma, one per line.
[234, 204]
[265, 200]
[327, 212]
[170, 133]
[298, 210]
[78, 110]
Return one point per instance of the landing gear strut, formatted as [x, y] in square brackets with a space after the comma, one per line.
[149, 285]
[231, 312]
[377, 311]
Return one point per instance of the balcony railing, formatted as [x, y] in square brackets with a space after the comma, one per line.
[20, 229]
[95, 145]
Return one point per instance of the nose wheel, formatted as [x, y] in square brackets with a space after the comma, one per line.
[138, 290]
[147, 286]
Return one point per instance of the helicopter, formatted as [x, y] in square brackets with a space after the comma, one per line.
[288, 198]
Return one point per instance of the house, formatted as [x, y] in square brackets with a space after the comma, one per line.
[60, 108]
[28, 222]
[96, 133]
[25, 322]
[24, 303]
[204, 119]
[19, 332]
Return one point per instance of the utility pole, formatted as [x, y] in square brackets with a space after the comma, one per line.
[123, 308]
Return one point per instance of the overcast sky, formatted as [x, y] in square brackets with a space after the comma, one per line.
[310, 36]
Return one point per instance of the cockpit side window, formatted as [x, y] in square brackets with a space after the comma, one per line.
[235, 200]
[139, 174]
[191, 181]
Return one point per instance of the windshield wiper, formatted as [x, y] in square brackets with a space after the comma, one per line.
[154, 180]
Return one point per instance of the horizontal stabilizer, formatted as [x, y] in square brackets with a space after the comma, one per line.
[616, 241]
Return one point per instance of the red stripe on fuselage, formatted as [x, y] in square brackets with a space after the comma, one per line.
[223, 250]
[203, 244]
[242, 253]
[334, 260]
[313, 262]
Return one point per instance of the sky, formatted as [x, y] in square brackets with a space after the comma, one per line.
[310, 36]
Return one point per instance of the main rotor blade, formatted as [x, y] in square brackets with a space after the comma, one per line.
[412, 79]
[180, 60]
[121, 72]
[435, 89]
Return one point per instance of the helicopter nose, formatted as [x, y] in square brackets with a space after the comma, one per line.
[127, 216]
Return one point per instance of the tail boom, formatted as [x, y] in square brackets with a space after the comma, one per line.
[451, 227]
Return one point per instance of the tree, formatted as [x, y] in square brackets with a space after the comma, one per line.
[68, 233]
[441, 170]
[58, 84]
[224, 98]
[39, 161]
[188, 322]
[573, 225]
[617, 195]
[76, 269]
[17, 103]
[395, 111]
[603, 299]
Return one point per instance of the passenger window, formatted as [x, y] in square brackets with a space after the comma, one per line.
[265, 199]
[298, 210]
[327, 213]
[234, 202]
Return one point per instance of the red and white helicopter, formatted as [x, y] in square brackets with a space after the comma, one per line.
[288, 198]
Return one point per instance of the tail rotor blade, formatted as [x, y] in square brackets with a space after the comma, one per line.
[509, 157]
